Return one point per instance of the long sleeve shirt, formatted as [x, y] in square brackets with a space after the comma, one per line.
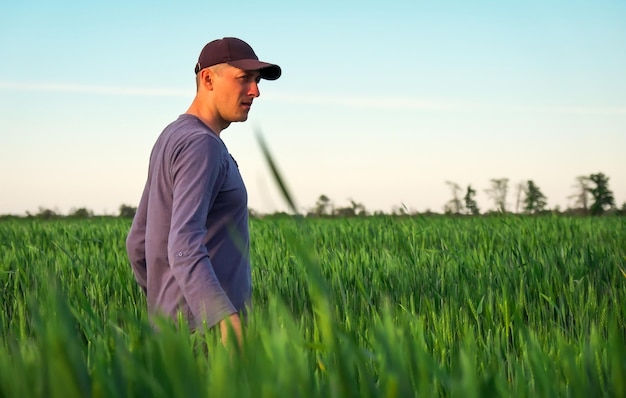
[189, 241]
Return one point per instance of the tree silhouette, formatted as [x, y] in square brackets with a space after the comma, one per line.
[359, 208]
[322, 206]
[470, 202]
[81, 213]
[581, 196]
[520, 188]
[355, 209]
[454, 205]
[602, 196]
[44, 213]
[127, 211]
[535, 200]
[498, 192]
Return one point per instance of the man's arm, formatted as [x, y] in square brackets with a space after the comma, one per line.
[234, 322]
[136, 244]
[197, 173]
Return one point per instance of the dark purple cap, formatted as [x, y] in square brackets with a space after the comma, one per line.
[237, 53]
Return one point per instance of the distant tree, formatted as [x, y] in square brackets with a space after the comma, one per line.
[355, 209]
[498, 192]
[535, 200]
[322, 206]
[470, 203]
[127, 211]
[344, 212]
[359, 208]
[602, 196]
[520, 189]
[81, 213]
[581, 196]
[454, 205]
[44, 214]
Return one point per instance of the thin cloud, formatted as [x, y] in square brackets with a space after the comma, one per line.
[361, 102]
[381, 102]
[580, 110]
[367, 102]
[88, 89]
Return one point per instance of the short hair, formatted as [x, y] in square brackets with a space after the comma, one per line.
[217, 69]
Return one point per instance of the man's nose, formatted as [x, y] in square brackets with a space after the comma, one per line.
[254, 89]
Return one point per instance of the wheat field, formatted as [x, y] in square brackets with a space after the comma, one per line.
[500, 306]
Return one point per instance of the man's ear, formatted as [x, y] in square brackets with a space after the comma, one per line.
[206, 78]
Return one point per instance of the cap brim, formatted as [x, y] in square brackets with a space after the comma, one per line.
[268, 71]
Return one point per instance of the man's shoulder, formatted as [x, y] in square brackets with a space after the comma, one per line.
[188, 127]
[189, 124]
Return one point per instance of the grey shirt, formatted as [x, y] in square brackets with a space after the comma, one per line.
[189, 241]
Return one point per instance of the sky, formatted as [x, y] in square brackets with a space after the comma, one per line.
[382, 103]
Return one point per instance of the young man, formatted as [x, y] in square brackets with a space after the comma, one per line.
[189, 241]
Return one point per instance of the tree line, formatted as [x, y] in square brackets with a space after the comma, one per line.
[592, 196]
[43, 213]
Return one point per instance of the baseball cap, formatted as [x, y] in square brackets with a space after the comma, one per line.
[237, 53]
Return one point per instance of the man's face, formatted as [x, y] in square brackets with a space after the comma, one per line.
[234, 90]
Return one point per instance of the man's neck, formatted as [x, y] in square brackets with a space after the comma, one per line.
[217, 126]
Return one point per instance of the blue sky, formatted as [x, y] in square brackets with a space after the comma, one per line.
[381, 103]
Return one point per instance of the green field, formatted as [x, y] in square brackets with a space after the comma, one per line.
[379, 306]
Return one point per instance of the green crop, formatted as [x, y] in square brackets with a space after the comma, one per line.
[359, 307]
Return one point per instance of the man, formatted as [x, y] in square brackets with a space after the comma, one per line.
[189, 241]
